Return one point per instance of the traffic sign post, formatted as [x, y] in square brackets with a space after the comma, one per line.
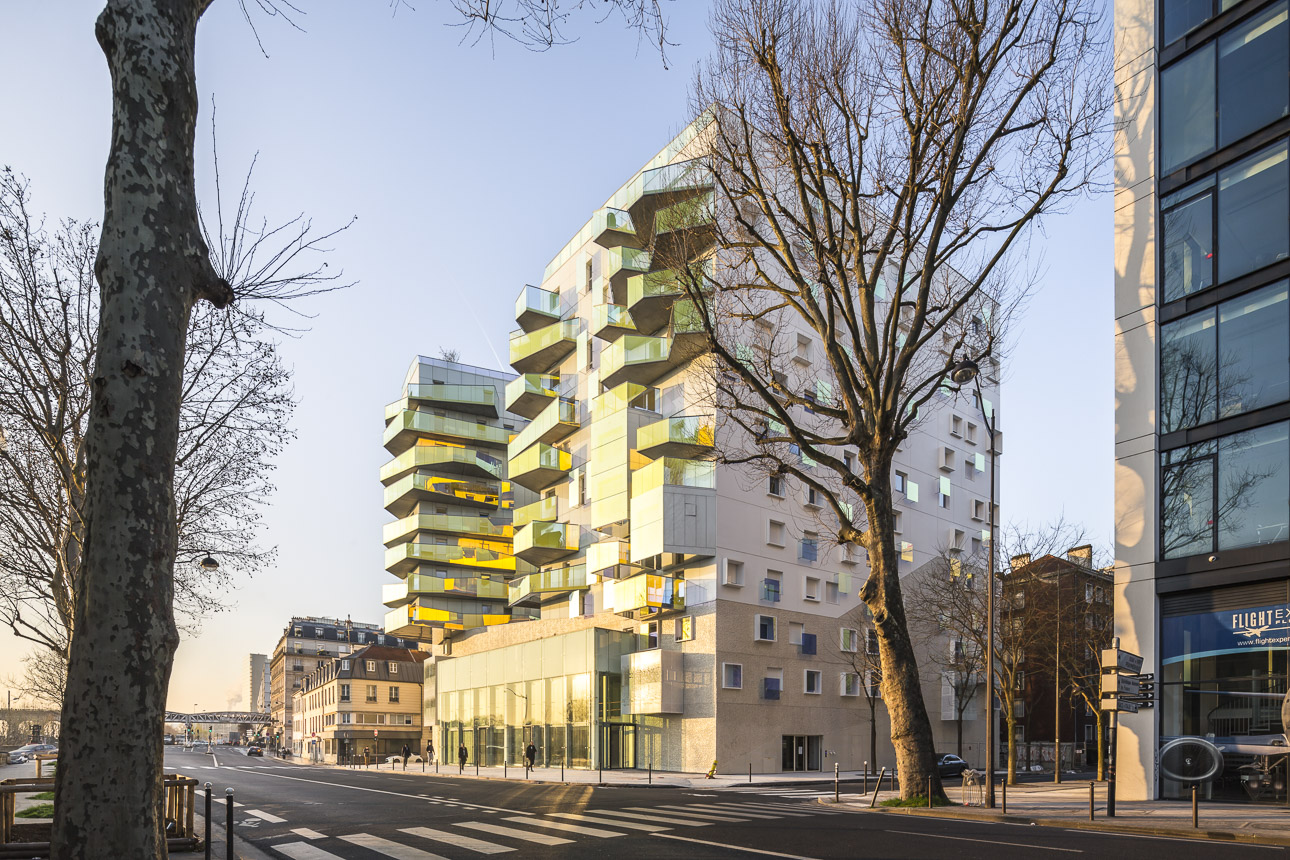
[1124, 690]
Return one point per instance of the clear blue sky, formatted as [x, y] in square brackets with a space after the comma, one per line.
[468, 167]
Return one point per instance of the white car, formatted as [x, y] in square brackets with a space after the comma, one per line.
[393, 759]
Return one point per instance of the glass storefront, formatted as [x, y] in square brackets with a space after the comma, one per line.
[1223, 679]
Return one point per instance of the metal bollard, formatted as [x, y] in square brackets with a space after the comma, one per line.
[750, 773]
[208, 821]
[1091, 800]
[505, 768]
[228, 848]
[602, 770]
[1005, 796]
[864, 776]
[929, 792]
[561, 768]
[1195, 807]
[476, 767]
[877, 788]
[651, 770]
[836, 796]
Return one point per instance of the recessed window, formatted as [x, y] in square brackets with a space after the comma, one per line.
[899, 482]
[732, 676]
[970, 435]
[394, 694]
[764, 630]
[371, 665]
[811, 682]
[775, 533]
[811, 590]
[685, 628]
[770, 586]
[812, 498]
[850, 684]
[733, 574]
[393, 667]
[795, 631]
[849, 640]
[344, 665]
[831, 592]
[956, 425]
[775, 486]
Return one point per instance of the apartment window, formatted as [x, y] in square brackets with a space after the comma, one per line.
[900, 482]
[651, 634]
[873, 682]
[775, 486]
[371, 692]
[297, 667]
[850, 684]
[1020, 679]
[588, 288]
[394, 694]
[809, 548]
[775, 533]
[906, 551]
[943, 492]
[344, 692]
[947, 459]
[732, 676]
[849, 460]
[831, 592]
[1187, 109]
[371, 665]
[346, 717]
[978, 510]
[849, 640]
[300, 631]
[685, 628]
[795, 631]
[733, 574]
[970, 435]
[956, 425]
[813, 498]
[811, 682]
[300, 649]
[360, 633]
[803, 351]
[582, 487]
[911, 491]
[811, 589]
[318, 633]
[770, 586]
[764, 630]
[393, 667]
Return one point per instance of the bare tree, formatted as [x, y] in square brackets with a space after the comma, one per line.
[877, 171]
[44, 676]
[153, 265]
[450, 355]
[859, 654]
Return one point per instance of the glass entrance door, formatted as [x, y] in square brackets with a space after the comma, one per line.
[800, 752]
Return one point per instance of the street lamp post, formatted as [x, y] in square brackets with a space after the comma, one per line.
[961, 374]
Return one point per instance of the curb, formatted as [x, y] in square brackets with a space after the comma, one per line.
[1102, 825]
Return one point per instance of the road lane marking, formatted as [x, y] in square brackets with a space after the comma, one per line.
[792, 807]
[540, 838]
[591, 819]
[653, 819]
[987, 841]
[743, 813]
[397, 850]
[702, 816]
[1117, 834]
[561, 825]
[382, 791]
[304, 851]
[457, 840]
[748, 809]
[272, 819]
[307, 833]
[731, 847]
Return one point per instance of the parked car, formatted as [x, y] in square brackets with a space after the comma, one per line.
[28, 753]
[948, 764]
[255, 751]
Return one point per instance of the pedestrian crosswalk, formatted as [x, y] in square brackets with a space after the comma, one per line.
[505, 833]
[794, 793]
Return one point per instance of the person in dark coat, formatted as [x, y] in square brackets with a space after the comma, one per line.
[462, 755]
[429, 752]
[530, 754]
[407, 753]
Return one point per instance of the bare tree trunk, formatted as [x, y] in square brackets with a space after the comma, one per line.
[1012, 747]
[958, 725]
[1100, 716]
[152, 266]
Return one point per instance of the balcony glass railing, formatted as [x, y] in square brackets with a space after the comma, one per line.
[653, 285]
[464, 491]
[430, 456]
[532, 384]
[681, 176]
[679, 429]
[607, 554]
[547, 535]
[626, 260]
[543, 509]
[460, 586]
[610, 219]
[525, 346]
[631, 350]
[482, 396]
[555, 422]
[465, 525]
[540, 457]
[649, 591]
[695, 212]
[611, 316]
[537, 300]
[452, 428]
[469, 556]
[561, 579]
[672, 472]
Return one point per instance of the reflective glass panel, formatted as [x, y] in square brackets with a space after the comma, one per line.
[1254, 351]
[1253, 75]
[1253, 213]
[1180, 16]
[1253, 492]
[1189, 247]
[1187, 109]
[1188, 372]
[1187, 501]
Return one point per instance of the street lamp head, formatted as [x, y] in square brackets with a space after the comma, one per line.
[209, 563]
[964, 372]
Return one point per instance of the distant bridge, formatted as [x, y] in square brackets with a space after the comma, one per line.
[219, 717]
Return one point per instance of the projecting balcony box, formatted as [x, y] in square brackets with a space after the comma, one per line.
[442, 458]
[404, 428]
[472, 399]
[619, 265]
[559, 581]
[664, 186]
[557, 421]
[546, 542]
[610, 322]
[653, 682]
[611, 559]
[404, 529]
[681, 436]
[544, 348]
[401, 593]
[650, 298]
[415, 621]
[403, 494]
[529, 393]
[673, 508]
[539, 466]
[405, 558]
[536, 308]
[613, 228]
[646, 594]
[683, 229]
[635, 358]
[547, 510]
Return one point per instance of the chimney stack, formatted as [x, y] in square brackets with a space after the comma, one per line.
[1081, 555]
[1020, 561]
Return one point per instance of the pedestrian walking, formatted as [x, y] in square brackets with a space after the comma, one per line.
[462, 755]
[407, 753]
[430, 752]
[530, 754]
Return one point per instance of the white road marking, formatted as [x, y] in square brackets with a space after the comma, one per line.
[653, 819]
[702, 816]
[591, 819]
[749, 808]
[304, 851]
[383, 791]
[308, 834]
[560, 825]
[269, 817]
[467, 842]
[732, 847]
[800, 808]
[743, 813]
[396, 850]
[987, 841]
[540, 838]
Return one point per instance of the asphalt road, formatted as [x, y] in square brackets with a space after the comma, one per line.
[305, 813]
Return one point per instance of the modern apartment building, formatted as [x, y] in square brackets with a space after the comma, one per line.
[306, 643]
[689, 612]
[1202, 233]
[257, 683]
[450, 544]
[369, 701]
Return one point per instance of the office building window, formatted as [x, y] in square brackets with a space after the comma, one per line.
[1253, 207]
[1187, 109]
[732, 676]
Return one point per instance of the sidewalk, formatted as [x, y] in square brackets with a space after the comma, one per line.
[1067, 805]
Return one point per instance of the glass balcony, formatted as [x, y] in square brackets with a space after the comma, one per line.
[557, 421]
[395, 594]
[536, 307]
[648, 593]
[635, 358]
[612, 228]
[403, 494]
[672, 472]
[442, 458]
[544, 509]
[606, 556]
[693, 213]
[529, 393]
[404, 558]
[623, 262]
[687, 437]
[650, 297]
[474, 399]
[539, 466]
[681, 177]
[416, 622]
[403, 430]
[562, 579]
[543, 348]
[404, 529]
[485, 587]
[610, 322]
[542, 542]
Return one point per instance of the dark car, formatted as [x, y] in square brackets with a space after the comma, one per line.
[949, 764]
[255, 751]
[26, 754]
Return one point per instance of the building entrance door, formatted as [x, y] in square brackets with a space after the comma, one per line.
[618, 745]
[800, 752]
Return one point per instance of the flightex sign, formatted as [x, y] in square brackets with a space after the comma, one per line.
[1227, 632]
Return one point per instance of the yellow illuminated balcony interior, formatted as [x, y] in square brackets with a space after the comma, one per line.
[403, 494]
[543, 509]
[610, 322]
[635, 358]
[408, 619]
[612, 228]
[404, 429]
[529, 393]
[681, 436]
[562, 579]
[557, 421]
[401, 593]
[542, 349]
[442, 458]
[536, 307]
[477, 554]
[539, 466]
[540, 542]
[673, 472]
[472, 399]
[648, 592]
[405, 528]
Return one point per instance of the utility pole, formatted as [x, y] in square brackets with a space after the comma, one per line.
[1057, 689]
